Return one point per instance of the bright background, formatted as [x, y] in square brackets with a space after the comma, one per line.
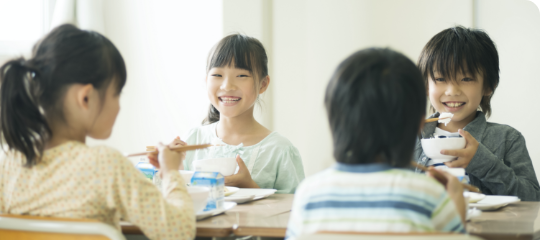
[165, 45]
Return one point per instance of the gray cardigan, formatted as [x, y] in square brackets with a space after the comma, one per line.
[501, 165]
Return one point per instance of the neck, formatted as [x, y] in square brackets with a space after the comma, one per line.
[61, 135]
[454, 126]
[238, 125]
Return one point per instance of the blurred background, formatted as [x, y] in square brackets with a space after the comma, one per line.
[165, 44]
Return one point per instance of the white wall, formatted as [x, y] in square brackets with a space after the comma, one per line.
[311, 37]
[514, 26]
[164, 44]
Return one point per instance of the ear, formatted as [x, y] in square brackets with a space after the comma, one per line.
[84, 95]
[264, 84]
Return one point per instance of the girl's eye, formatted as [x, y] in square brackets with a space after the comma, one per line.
[216, 75]
[243, 76]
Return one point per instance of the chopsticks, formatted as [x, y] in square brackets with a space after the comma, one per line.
[151, 149]
[471, 188]
[432, 120]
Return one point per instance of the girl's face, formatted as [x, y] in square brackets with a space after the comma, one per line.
[231, 90]
[106, 114]
[460, 97]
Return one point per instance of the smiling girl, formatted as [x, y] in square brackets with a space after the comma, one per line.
[461, 71]
[237, 73]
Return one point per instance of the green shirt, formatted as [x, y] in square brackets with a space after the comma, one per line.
[277, 162]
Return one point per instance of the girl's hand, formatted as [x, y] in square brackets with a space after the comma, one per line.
[464, 155]
[454, 188]
[168, 159]
[153, 156]
[242, 179]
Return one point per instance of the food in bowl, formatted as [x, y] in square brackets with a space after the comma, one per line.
[199, 195]
[432, 147]
[226, 166]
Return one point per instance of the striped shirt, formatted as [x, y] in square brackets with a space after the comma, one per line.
[371, 198]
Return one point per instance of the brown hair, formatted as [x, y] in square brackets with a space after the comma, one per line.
[465, 50]
[243, 52]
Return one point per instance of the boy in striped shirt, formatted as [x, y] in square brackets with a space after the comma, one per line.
[375, 103]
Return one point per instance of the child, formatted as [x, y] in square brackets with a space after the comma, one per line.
[237, 72]
[49, 104]
[460, 67]
[375, 105]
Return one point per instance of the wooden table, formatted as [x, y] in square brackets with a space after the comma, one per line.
[266, 217]
[516, 221]
[269, 217]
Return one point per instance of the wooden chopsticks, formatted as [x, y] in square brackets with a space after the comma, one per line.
[432, 120]
[151, 149]
[471, 188]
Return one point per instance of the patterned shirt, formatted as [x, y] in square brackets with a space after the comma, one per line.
[371, 198]
[76, 181]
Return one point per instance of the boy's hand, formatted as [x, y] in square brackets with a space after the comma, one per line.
[464, 155]
[454, 188]
[242, 179]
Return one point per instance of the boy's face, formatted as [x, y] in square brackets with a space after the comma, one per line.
[460, 96]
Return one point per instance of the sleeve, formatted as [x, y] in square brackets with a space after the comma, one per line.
[290, 171]
[514, 175]
[445, 216]
[294, 227]
[135, 199]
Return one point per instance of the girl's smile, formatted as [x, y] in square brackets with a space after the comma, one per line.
[229, 100]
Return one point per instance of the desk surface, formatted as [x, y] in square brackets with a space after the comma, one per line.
[266, 217]
[269, 217]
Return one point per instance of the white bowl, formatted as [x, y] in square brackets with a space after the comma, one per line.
[225, 166]
[199, 195]
[187, 175]
[433, 146]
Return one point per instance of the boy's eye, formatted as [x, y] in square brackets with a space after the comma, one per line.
[440, 80]
[216, 75]
[467, 79]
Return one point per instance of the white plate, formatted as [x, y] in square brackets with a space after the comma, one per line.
[474, 197]
[249, 194]
[493, 202]
[232, 190]
[226, 206]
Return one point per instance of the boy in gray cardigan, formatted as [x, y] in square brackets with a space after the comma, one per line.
[461, 71]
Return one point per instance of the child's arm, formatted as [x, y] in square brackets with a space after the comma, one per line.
[513, 175]
[290, 171]
[242, 179]
[128, 194]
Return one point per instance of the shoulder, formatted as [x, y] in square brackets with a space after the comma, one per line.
[200, 134]
[502, 132]
[108, 156]
[276, 140]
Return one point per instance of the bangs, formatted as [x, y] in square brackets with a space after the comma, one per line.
[241, 52]
[453, 51]
[116, 67]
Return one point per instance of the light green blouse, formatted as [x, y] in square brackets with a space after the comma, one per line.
[277, 162]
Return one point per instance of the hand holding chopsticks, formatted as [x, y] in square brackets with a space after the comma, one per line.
[440, 178]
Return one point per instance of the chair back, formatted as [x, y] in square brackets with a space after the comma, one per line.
[47, 228]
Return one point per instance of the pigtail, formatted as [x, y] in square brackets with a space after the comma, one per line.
[22, 125]
[213, 116]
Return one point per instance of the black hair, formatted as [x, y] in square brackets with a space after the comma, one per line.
[32, 90]
[375, 103]
[464, 50]
[243, 52]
